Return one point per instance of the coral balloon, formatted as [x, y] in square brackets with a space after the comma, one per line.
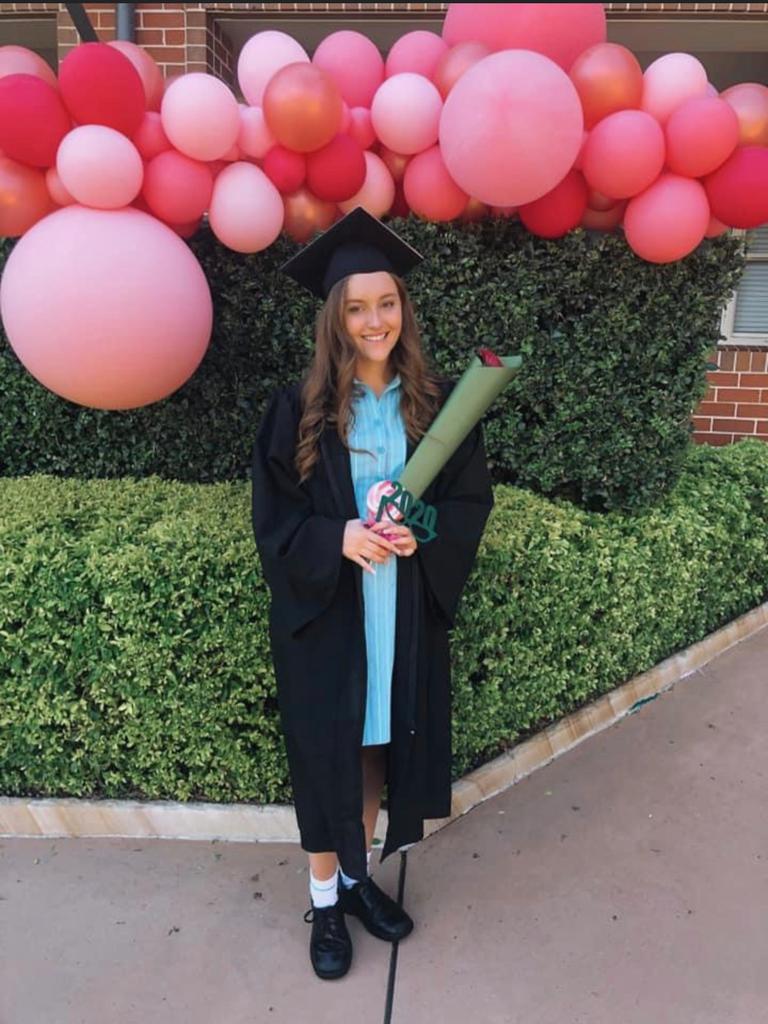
[354, 63]
[608, 77]
[100, 167]
[604, 220]
[406, 113]
[360, 127]
[396, 162]
[378, 192]
[474, 211]
[200, 116]
[150, 74]
[429, 189]
[177, 188]
[671, 80]
[668, 220]
[246, 211]
[254, 138]
[99, 85]
[150, 139]
[560, 210]
[285, 169]
[24, 198]
[56, 190]
[303, 107]
[261, 58]
[750, 102]
[33, 120]
[18, 60]
[624, 154]
[701, 134]
[305, 215]
[559, 31]
[417, 51]
[511, 128]
[598, 202]
[337, 171]
[126, 315]
[738, 189]
[454, 62]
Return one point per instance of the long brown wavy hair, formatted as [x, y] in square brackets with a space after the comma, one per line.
[327, 386]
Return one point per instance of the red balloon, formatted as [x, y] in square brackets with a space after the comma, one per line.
[337, 171]
[150, 138]
[608, 77]
[559, 211]
[99, 85]
[360, 127]
[400, 207]
[33, 120]
[177, 188]
[701, 134]
[738, 190]
[604, 220]
[285, 169]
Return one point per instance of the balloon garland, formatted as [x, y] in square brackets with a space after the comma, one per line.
[515, 110]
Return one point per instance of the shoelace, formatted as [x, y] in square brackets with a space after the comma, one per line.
[334, 922]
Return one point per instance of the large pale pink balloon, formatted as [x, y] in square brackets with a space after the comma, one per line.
[354, 63]
[511, 128]
[378, 191]
[559, 31]
[106, 308]
[254, 139]
[671, 80]
[668, 220]
[263, 55]
[417, 51]
[18, 60]
[100, 167]
[200, 116]
[246, 211]
[429, 189]
[624, 154]
[406, 113]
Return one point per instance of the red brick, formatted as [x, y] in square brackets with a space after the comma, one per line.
[717, 409]
[162, 19]
[701, 423]
[738, 395]
[149, 37]
[758, 364]
[754, 380]
[762, 427]
[743, 360]
[719, 439]
[175, 37]
[167, 54]
[710, 395]
[758, 412]
[723, 380]
[727, 360]
[734, 426]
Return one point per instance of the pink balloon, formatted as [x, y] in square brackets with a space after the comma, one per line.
[246, 211]
[701, 134]
[668, 220]
[262, 56]
[149, 72]
[56, 190]
[200, 116]
[511, 128]
[99, 167]
[558, 31]
[18, 60]
[177, 188]
[150, 139]
[417, 51]
[406, 113]
[671, 80]
[429, 189]
[254, 138]
[624, 154]
[354, 63]
[361, 127]
[378, 191]
[126, 315]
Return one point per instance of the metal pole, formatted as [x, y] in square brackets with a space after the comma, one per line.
[126, 22]
[82, 23]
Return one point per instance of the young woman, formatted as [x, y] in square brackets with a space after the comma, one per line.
[358, 622]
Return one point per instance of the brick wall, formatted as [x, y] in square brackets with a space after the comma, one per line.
[736, 404]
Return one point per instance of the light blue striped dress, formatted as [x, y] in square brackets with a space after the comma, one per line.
[378, 426]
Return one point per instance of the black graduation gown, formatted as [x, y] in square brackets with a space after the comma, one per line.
[317, 633]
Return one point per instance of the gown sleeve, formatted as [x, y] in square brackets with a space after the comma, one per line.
[463, 497]
[300, 551]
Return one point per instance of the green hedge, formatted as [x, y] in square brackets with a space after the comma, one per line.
[615, 363]
[134, 654]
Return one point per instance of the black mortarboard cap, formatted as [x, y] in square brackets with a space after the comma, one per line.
[356, 244]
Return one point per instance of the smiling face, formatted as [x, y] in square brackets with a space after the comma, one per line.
[372, 316]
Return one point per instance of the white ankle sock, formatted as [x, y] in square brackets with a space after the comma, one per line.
[323, 893]
[348, 882]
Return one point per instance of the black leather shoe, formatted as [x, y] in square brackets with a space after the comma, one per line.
[379, 913]
[330, 947]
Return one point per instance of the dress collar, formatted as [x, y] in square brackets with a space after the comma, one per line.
[394, 383]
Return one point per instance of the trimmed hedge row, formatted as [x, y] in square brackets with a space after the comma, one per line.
[133, 641]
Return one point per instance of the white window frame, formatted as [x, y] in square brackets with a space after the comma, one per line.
[742, 339]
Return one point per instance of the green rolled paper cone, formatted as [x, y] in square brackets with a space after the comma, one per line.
[469, 401]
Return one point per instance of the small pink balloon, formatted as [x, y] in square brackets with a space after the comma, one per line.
[361, 127]
[354, 63]
[18, 60]
[177, 188]
[429, 189]
[378, 192]
[624, 154]
[668, 220]
[671, 80]
[150, 139]
[246, 211]
[200, 116]
[417, 51]
[254, 138]
[149, 72]
[701, 134]
[100, 167]
[264, 54]
[127, 312]
[57, 192]
[406, 113]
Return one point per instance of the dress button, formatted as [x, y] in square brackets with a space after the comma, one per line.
[380, 451]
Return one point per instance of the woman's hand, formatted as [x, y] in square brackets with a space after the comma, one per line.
[363, 545]
[405, 540]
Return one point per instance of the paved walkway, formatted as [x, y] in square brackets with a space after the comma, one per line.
[625, 883]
